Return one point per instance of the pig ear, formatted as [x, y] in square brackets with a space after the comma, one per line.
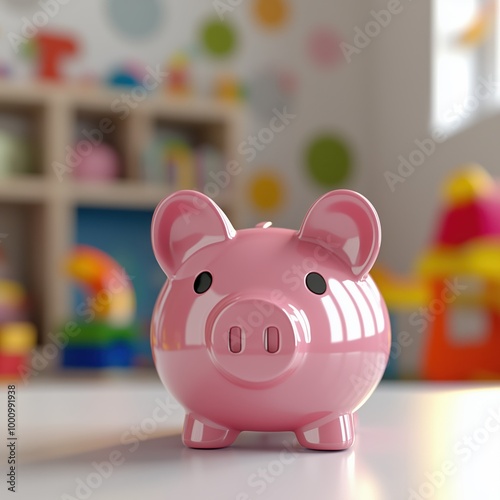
[183, 223]
[346, 224]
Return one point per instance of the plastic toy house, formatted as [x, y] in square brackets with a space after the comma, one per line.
[457, 283]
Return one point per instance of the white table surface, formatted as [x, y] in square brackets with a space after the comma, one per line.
[409, 437]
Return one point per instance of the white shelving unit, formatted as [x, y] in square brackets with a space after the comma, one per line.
[49, 204]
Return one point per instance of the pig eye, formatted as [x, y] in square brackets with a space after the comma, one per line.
[202, 282]
[316, 283]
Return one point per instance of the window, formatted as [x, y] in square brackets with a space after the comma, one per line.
[465, 61]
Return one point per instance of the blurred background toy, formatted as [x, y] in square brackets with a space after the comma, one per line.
[53, 50]
[130, 74]
[227, 87]
[17, 334]
[100, 165]
[17, 339]
[456, 287]
[170, 160]
[105, 317]
[179, 76]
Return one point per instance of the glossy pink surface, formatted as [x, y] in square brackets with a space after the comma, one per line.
[258, 350]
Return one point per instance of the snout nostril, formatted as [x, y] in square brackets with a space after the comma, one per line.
[235, 339]
[272, 339]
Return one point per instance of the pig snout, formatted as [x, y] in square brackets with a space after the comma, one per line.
[254, 341]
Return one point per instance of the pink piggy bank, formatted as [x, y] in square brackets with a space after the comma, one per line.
[269, 329]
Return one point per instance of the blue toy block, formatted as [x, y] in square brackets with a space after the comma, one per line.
[118, 354]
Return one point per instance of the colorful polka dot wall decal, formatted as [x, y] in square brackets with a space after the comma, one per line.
[267, 191]
[136, 20]
[328, 160]
[271, 13]
[218, 38]
[323, 47]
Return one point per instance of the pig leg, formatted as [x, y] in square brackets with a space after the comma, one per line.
[199, 433]
[324, 434]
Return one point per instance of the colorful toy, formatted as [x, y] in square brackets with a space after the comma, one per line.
[101, 276]
[102, 164]
[13, 301]
[106, 336]
[128, 75]
[17, 339]
[101, 345]
[17, 334]
[170, 160]
[179, 77]
[228, 88]
[52, 49]
[269, 329]
[458, 277]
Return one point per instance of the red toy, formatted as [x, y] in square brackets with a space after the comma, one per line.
[52, 49]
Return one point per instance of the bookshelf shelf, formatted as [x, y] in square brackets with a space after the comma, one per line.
[56, 114]
[123, 194]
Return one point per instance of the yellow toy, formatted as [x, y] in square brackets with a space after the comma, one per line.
[228, 88]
